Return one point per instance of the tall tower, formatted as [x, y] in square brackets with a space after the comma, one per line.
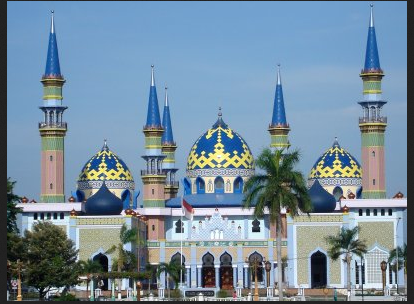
[154, 176]
[279, 128]
[52, 128]
[168, 149]
[372, 124]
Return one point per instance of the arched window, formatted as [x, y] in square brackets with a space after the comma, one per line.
[51, 158]
[367, 212]
[238, 185]
[382, 212]
[373, 153]
[35, 216]
[219, 185]
[42, 216]
[51, 186]
[187, 186]
[389, 211]
[153, 227]
[373, 182]
[255, 226]
[375, 212]
[62, 215]
[49, 216]
[360, 212]
[55, 216]
[337, 193]
[179, 224]
[201, 185]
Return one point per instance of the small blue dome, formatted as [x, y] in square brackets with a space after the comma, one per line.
[103, 202]
[322, 201]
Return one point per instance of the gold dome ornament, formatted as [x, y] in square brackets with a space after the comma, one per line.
[399, 195]
[73, 212]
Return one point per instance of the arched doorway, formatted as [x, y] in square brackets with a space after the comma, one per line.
[226, 271]
[256, 258]
[318, 270]
[103, 260]
[177, 259]
[208, 276]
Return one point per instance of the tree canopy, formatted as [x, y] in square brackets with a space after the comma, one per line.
[50, 258]
[12, 210]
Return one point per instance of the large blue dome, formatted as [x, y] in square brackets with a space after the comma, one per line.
[220, 148]
[103, 202]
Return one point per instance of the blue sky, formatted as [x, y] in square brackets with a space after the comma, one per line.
[209, 54]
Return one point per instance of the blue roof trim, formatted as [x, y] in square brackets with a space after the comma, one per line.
[167, 136]
[372, 62]
[52, 60]
[209, 200]
[153, 116]
[279, 115]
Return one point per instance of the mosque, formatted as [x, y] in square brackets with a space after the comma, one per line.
[218, 243]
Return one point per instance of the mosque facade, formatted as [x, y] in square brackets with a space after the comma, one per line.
[219, 240]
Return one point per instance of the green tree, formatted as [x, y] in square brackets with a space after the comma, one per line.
[50, 258]
[280, 185]
[123, 256]
[173, 271]
[401, 252]
[87, 268]
[12, 210]
[346, 243]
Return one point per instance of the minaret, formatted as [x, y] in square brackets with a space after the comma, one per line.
[52, 128]
[372, 124]
[154, 176]
[168, 149]
[279, 128]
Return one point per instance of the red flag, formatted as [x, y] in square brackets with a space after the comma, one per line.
[187, 209]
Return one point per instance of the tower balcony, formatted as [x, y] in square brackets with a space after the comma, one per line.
[372, 120]
[62, 125]
[172, 184]
[154, 172]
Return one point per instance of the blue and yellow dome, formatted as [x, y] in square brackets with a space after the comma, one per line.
[337, 171]
[106, 165]
[220, 147]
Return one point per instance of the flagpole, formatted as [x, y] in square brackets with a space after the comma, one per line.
[181, 242]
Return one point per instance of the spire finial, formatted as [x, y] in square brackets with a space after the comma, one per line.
[105, 146]
[166, 96]
[371, 19]
[279, 79]
[336, 141]
[152, 75]
[52, 27]
[219, 113]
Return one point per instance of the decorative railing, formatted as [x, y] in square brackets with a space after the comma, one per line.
[172, 184]
[378, 119]
[154, 172]
[53, 125]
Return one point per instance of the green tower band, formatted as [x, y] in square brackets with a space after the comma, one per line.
[279, 138]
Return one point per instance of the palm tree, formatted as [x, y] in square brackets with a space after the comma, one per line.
[401, 252]
[346, 243]
[173, 271]
[279, 186]
[88, 267]
[125, 236]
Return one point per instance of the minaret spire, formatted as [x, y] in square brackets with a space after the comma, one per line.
[167, 136]
[372, 125]
[52, 129]
[372, 63]
[153, 115]
[279, 128]
[52, 62]
[168, 149]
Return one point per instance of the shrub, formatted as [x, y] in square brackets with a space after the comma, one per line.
[66, 297]
[176, 294]
[222, 293]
